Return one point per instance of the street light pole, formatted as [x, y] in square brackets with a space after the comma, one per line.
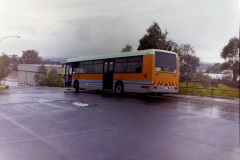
[8, 37]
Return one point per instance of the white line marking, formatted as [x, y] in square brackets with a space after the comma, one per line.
[44, 101]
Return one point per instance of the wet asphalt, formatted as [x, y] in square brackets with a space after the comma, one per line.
[43, 124]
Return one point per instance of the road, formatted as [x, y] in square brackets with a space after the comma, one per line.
[43, 124]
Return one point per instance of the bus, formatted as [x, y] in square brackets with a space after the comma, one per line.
[145, 71]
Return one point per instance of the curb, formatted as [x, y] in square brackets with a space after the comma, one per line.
[204, 98]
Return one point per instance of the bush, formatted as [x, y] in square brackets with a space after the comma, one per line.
[199, 89]
[226, 91]
[193, 88]
[52, 79]
[4, 87]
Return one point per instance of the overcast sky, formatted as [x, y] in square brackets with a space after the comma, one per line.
[74, 28]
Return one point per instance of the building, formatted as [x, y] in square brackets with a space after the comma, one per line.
[215, 75]
[26, 72]
[218, 76]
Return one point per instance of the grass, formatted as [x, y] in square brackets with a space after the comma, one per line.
[4, 87]
[220, 90]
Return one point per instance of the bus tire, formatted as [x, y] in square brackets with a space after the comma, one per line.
[76, 85]
[119, 88]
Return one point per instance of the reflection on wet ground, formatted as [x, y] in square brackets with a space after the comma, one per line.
[206, 108]
[211, 109]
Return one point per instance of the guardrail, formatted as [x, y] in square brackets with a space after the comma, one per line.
[210, 88]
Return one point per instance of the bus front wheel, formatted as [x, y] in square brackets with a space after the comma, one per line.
[119, 90]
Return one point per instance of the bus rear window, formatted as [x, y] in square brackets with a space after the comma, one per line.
[165, 62]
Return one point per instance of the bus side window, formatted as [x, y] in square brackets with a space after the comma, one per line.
[81, 67]
[135, 64]
[134, 67]
[75, 67]
[98, 66]
[111, 66]
[105, 67]
[121, 67]
[139, 69]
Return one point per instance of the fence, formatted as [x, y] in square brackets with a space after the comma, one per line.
[212, 88]
[205, 88]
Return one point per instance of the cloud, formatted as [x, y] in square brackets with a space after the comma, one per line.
[79, 28]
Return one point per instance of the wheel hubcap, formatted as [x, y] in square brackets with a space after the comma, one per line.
[118, 89]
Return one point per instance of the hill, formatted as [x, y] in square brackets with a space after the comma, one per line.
[62, 60]
[204, 65]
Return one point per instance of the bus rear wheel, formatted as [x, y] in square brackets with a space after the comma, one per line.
[119, 90]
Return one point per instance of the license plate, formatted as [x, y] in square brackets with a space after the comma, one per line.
[165, 87]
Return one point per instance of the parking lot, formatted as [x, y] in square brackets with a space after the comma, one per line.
[39, 123]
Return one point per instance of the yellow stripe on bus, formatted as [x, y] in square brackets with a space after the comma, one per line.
[165, 83]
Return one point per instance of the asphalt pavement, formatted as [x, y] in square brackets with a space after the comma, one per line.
[39, 123]
[205, 98]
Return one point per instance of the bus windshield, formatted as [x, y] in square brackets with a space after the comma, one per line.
[165, 62]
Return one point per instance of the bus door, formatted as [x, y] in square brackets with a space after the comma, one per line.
[108, 69]
[68, 75]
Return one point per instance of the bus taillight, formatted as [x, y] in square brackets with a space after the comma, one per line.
[145, 87]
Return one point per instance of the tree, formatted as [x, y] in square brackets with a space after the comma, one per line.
[41, 73]
[154, 39]
[4, 64]
[53, 71]
[230, 53]
[203, 79]
[31, 57]
[127, 48]
[48, 61]
[216, 68]
[14, 62]
[52, 79]
[188, 62]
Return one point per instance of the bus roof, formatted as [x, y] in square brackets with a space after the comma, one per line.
[118, 55]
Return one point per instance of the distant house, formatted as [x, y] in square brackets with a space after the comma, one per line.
[203, 67]
[26, 72]
[215, 75]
